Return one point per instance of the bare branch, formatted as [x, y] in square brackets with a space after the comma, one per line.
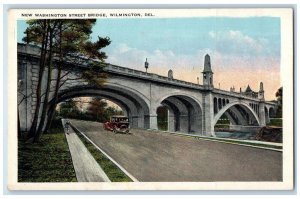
[67, 73]
[71, 79]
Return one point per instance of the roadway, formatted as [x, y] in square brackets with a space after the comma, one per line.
[162, 157]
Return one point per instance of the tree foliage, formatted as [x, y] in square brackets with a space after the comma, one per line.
[100, 111]
[96, 110]
[278, 95]
[69, 109]
[62, 41]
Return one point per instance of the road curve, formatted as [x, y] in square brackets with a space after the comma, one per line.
[162, 157]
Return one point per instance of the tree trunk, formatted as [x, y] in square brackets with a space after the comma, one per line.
[32, 130]
[57, 84]
[19, 126]
[47, 92]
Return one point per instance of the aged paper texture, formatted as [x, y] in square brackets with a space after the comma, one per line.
[198, 91]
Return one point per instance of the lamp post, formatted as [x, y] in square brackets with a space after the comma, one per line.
[146, 65]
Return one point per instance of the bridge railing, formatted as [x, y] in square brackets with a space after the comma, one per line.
[151, 76]
[234, 94]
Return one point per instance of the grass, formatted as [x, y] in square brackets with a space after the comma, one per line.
[46, 161]
[275, 122]
[114, 173]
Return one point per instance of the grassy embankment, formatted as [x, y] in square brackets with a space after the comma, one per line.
[47, 161]
[275, 122]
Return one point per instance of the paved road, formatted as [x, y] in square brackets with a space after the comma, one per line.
[159, 157]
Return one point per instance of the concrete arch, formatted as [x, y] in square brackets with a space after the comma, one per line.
[171, 119]
[230, 118]
[228, 106]
[177, 103]
[183, 95]
[115, 88]
[173, 122]
[121, 102]
[126, 105]
[183, 113]
[126, 88]
[190, 112]
[239, 115]
[272, 112]
[137, 104]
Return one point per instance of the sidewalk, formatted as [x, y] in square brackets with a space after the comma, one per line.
[86, 167]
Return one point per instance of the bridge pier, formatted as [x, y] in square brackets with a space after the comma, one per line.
[171, 121]
[196, 124]
[184, 123]
[141, 120]
[134, 121]
[262, 114]
[153, 121]
[208, 114]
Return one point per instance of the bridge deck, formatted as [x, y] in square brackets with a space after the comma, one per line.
[86, 167]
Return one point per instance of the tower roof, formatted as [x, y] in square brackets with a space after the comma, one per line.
[207, 65]
[248, 89]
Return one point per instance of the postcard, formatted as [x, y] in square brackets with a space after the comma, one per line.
[150, 99]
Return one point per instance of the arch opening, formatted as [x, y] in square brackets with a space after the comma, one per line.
[162, 118]
[184, 114]
[236, 114]
[215, 105]
[267, 118]
[133, 105]
[272, 113]
[96, 108]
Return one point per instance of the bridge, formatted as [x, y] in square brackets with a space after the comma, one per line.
[192, 108]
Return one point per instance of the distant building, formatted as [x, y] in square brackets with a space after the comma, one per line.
[249, 92]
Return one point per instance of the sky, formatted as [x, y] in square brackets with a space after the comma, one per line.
[243, 50]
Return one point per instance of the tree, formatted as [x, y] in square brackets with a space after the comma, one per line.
[110, 111]
[100, 111]
[278, 95]
[69, 109]
[61, 41]
[97, 109]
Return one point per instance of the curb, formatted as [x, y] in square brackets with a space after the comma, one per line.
[79, 177]
[109, 157]
[225, 140]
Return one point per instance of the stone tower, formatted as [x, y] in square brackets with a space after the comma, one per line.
[170, 74]
[207, 98]
[261, 97]
[207, 73]
[261, 92]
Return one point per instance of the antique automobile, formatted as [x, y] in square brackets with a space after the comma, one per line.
[117, 124]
